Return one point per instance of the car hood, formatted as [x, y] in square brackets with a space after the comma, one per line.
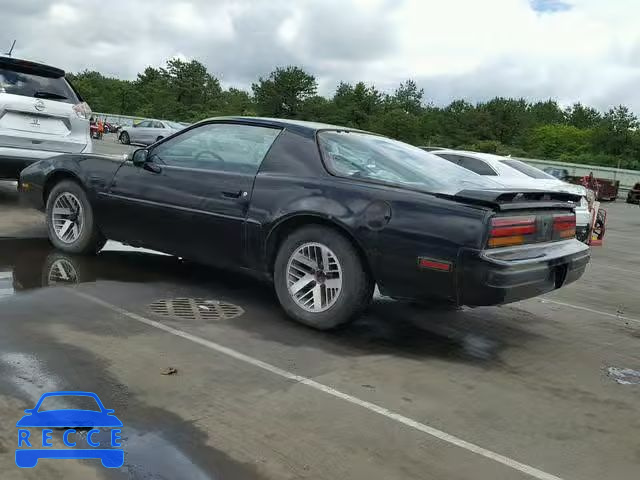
[69, 418]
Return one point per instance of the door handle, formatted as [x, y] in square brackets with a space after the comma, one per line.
[237, 194]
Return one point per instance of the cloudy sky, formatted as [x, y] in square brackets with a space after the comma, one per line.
[569, 50]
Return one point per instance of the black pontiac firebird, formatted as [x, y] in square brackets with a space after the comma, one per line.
[326, 212]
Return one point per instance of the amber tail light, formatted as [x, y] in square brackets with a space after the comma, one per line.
[564, 226]
[507, 231]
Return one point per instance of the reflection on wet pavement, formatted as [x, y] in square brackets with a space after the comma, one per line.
[414, 331]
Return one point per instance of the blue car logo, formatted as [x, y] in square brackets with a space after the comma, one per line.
[32, 447]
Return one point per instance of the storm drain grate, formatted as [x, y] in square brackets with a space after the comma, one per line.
[196, 309]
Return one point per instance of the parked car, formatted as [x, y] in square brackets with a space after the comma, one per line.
[510, 172]
[41, 115]
[324, 212]
[634, 194]
[148, 132]
[559, 173]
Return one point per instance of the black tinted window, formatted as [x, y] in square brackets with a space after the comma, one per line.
[225, 147]
[31, 85]
[528, 170]
[475, 165]
[448, 157]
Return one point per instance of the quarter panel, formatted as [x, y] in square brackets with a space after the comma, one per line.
[393, 227]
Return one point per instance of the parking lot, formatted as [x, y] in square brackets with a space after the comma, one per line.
[514, 392]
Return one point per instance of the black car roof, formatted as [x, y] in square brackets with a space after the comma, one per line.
[31, 67]
[296, 125]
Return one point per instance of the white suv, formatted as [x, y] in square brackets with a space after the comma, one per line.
[41, 115]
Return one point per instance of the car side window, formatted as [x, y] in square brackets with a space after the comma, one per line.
[476, 165]
[158, 125]
[218, 146]
[145, 124]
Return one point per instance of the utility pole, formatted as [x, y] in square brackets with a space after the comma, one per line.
[11, 49]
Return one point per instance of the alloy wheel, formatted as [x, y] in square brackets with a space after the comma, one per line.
[314, 277]
[67, 217]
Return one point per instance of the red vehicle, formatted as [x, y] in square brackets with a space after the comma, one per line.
[605, 189]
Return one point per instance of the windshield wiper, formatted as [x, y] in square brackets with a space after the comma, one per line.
[51, 95]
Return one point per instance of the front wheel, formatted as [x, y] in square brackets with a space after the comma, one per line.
[320, 278]
[70, 221]
[124, 138]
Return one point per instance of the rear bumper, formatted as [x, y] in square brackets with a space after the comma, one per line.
[14, 160]
[511, 274]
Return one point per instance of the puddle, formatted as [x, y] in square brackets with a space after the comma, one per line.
[31, 264]
[624, 376]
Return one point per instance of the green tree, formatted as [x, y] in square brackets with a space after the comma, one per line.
[236, 102]
[195, 92]
[546, 113]
[581, 116]
[398, 124]
[615, 134]
[508, 118]
[357, 104]
[551, 141]
[281, 94]
[408, 97]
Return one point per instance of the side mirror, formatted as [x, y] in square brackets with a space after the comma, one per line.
[140, 157]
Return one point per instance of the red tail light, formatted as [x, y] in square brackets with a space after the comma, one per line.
[564, 226]
[82, 110]
[506, 231]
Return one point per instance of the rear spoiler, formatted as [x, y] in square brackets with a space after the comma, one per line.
[517, 199]
[25, 66]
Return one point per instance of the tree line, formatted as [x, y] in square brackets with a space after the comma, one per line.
[186, 91]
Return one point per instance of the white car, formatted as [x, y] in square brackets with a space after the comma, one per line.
[514, 173]
[41, 115]
[149, 131]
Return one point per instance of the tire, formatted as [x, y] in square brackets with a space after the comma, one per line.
[81, 235]
[356, 288]
[124, 138]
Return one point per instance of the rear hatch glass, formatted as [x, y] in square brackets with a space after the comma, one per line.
[29, 81]
[379, 159]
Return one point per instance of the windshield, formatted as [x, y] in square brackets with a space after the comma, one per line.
[528, 170]
[364, 155]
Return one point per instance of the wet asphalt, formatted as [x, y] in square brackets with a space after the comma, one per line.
[535, 382]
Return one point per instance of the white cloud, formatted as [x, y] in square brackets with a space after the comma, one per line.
[571, 50]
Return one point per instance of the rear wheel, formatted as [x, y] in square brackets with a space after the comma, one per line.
[320, 279]
[70, 221]
[124, 138]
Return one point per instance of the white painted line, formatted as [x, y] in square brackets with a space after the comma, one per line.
[587, 309]
[434, 432]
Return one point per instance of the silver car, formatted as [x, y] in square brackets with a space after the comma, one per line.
[41, 115]
[513, 173]
[148, 132]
